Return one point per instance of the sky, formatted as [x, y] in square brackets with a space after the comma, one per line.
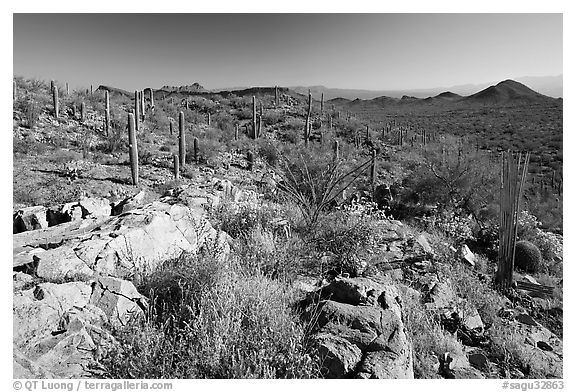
[360, 51]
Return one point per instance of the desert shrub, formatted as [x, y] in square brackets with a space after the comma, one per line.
[527, 257]
[429, 340]
[208, 150]
[347, 237]
[268, 152]
[30, 105]
[241, 219]
[215, 322]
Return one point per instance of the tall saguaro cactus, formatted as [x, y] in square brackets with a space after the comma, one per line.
[254, 135]
[55, 101]
[181, 139]
[151, 98]
[336, 149]
[176, 167]
[67, 89]
[83, 112]
[373, 172]
[322, 104]
[276, 100]
[136, 109]
[107, 112]
[133, 149]
[236, 132]
[142, 106]
[308, 124]
[196, 149]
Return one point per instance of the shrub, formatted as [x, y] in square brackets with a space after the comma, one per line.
[214, 322]
[527, 256]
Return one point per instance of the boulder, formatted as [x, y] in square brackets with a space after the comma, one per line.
[339, 357]
[95, 207]
[367, 315]
[60, 329]
[123, 246]
[467, 256]
[30, 218]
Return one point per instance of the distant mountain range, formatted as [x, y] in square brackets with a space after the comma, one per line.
[503, 93]
[546, 85]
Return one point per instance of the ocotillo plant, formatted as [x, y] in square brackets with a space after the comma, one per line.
[176, 167]
[254, 135]
[133, 149]
[55, 101]
[83, 112]
[107, 112]
[182, 140]
[250, 159]
[513, 177]
[308, 124]
[196, 149]
[136, 109]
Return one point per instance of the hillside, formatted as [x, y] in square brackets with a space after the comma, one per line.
[209, 237]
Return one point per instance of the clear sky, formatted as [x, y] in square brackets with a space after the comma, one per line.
[363, 51]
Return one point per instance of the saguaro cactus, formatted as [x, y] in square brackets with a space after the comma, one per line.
[142, 106]
[133, 149]
[136, 109]
[250, 159]
[367, 132]
[322, 104]
[196, 149]
[107, 112]
[236, 132]
[309, 113]
[181, 139]
[373, 171]
[14, 89]
[171, 127]
[91, 90]
[55, 101]
[67, 89]
[176, 167]
[51, 85]
[254, 135]
[83, 112]
[151, 98]
[209, 119]
[276, 100]
[336, 149]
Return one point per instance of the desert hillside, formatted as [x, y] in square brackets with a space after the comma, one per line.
[262, 233]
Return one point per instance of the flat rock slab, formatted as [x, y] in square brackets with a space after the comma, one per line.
[122, 246]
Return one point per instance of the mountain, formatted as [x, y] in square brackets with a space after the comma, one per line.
[505, 92]
[546, 85]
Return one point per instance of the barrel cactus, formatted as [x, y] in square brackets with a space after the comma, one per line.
[527, 257]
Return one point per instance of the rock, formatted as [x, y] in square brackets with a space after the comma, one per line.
[119, 300]
[121, 246]
[526, 319]
[530, 279]
[95, 207]
[467, 256]
[62, 264]
[423, 242]
[544, 346]
[339, 357]
[354, 291]
[385, 365]
[71, 212]
[21, 280]
[129, 203]
[479, 361]
[30, 218]
[368, 316]
[59, 329]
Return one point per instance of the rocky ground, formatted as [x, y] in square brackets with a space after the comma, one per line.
[84, 237]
